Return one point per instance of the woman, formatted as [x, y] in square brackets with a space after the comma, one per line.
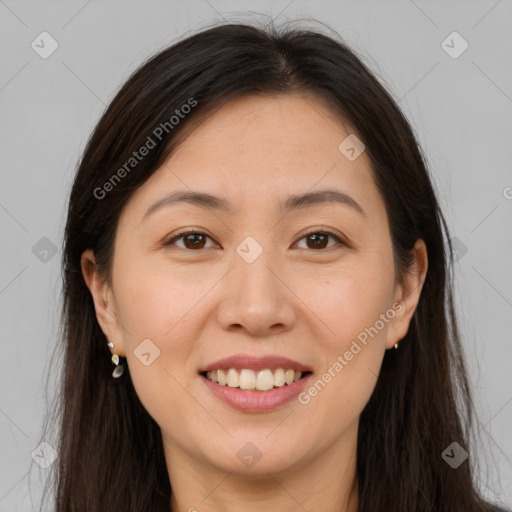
[258, 309]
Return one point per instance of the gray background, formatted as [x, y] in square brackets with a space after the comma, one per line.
[459, 107]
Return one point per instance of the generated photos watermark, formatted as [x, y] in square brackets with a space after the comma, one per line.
[137, 156]
[355, 348]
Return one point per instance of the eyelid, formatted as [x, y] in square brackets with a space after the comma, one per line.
[339, 239]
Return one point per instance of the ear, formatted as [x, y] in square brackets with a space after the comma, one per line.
[408, 294]
[104, 303]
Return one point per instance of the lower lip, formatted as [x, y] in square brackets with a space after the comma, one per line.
[256, 401]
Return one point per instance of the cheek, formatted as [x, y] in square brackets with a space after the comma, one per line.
[352, 358]
[355, 307]
[155, 307]
[349, 301]
[156, 302]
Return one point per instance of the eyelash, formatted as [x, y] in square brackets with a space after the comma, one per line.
[171, 241]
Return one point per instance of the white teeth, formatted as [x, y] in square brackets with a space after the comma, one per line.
[247, 379]
[265, 380]
[221, 376]
[279, 378]
[250, 380]
[233, 378]
[212, 376]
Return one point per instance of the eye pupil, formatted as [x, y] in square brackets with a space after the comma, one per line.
[191, 236]
[314, 237]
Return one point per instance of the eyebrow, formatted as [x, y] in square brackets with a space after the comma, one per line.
[293, 202]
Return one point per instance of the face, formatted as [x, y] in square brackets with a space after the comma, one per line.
[258, 275]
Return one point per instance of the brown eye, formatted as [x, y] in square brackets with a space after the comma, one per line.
[192, 240]
[318, 240]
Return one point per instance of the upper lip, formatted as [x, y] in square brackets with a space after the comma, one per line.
[252, 362]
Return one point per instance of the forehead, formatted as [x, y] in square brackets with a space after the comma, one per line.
[278, 123]
[257, 147]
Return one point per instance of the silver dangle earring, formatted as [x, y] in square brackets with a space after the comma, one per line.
[119, 369]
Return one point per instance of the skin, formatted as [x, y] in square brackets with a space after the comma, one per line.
[200, 304]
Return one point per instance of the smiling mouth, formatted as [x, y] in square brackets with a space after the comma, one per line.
[250, 380]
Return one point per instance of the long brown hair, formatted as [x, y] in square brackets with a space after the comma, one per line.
[110, 449]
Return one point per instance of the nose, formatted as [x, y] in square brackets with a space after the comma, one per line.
[257, 299]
